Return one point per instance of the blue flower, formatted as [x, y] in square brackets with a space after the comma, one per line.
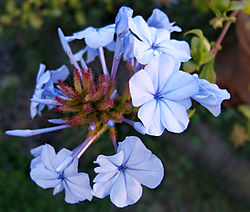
[153, 41]
[163, 94]
[95, 37]
[45, 91]
[36, 161]
[121, 20]
[125, 39]
[92, 53]
[210, 95]
[160, 20]
[46, 175]
[122, 174]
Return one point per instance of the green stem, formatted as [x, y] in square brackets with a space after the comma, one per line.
[223, 33]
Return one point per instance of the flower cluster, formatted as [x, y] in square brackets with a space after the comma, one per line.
[158, 91]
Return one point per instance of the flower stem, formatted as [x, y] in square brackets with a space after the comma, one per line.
[223, 33]
[89, 140]
[103, 61]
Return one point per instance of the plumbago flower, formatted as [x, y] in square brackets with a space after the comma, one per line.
[47, 175]
[122, 174]
[161, 91]
[154, 41]
[160, 20]
[164, 95]
[45, 92]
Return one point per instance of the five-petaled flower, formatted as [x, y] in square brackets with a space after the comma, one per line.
[164, 95]
[46, 175]
[122, 174]
[151, 41]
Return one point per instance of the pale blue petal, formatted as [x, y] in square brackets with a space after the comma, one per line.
[111, 46]
[58, 188]
[109, 163]
[158, 19]
[36, 151]
[41, 70]
[36, 162]
[146, 112]
[121, 20]
[141, 88]
[149, 172]
[186, 102]
[48, 156]
[78, 187]
[91, 54]
[160, 69]
[72, 169]
[61, 156]
[150, 114]
[125, 191]
[174, 116]
[33, 105]
[43, 79]
[59, 74]
[44, 178]
[81, 34]
[64, 43]
[210, 95]
[143, 51]
[128, 46]
[103, 184]
[140, 28]
[158, 36]
[134, 151]
[177, 49]
[180, 86]
[100, 37]
[175, 29]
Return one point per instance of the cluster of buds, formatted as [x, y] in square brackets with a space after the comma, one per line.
[157, 91]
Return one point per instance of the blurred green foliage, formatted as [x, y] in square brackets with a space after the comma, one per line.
[202, 59]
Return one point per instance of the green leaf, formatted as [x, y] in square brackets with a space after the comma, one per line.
[214, 8]
[236, 5]
[245, 110]
[247, 9]
[197, 32]
[194, 49]
[205, 57]
[190, 66]
[208, 72]
[222, 5]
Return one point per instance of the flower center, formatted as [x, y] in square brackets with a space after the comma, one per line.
[61, 176]
[122, 168]
[158, 95]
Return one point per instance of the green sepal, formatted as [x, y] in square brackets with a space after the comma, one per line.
[190, 66]
[208, 73]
